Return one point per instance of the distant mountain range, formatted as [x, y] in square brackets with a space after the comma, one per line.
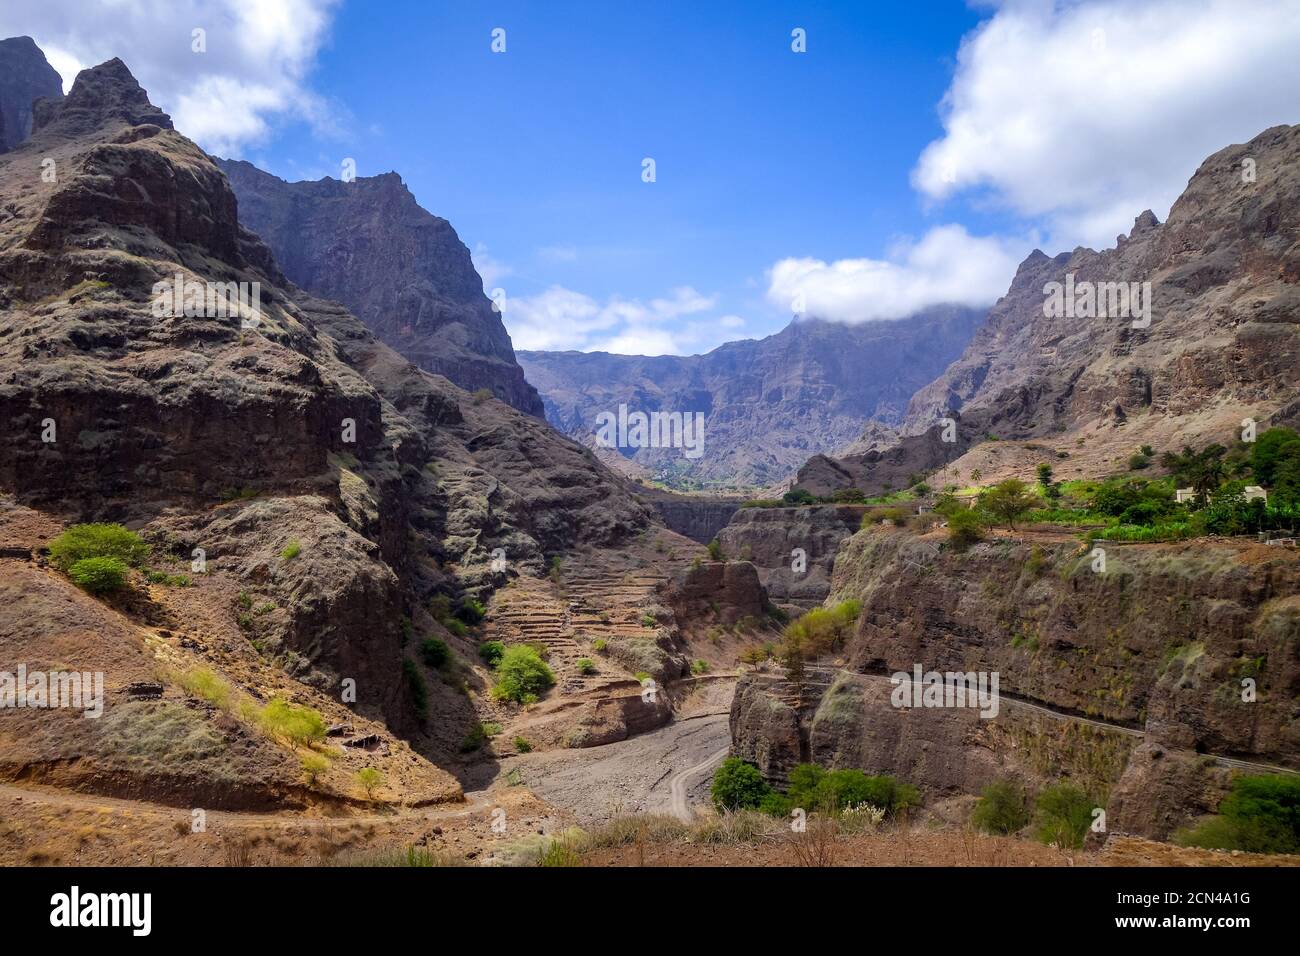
[768, 403]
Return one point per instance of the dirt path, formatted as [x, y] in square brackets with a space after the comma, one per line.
[677, 787]
[658, 772]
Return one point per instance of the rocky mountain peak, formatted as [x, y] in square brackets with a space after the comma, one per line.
[402, 270]
[25, 76]
[105, 93]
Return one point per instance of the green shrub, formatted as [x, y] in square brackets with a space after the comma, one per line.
[585, 665]
[435, 652]
[715, 551]
[83, 541]
[470, 611]
[419, 689]
[1002, 808]
[811, 786]
[965, 528]
[292, 722]
[798, 496]
[370, 780]
[313, 765]
[599, 645]
[204, 682]
[699, 667]
[522, 745]
[291, 551]
[1261, 815]
[474, 739]
[522, 673]
[738, 786]
[490, 652]
[98, 575]
[1064, 814]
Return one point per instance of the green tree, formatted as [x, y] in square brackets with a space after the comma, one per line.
[1272, 448]
[1204, 470]
[738, 786]
[1008, 500]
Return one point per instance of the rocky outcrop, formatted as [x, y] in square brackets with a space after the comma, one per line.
[768, 404]
[792, 548]
[1221, 343]
[1117, 680]
[401, 270]
[25, 76]
[331, 486]
[718, 593]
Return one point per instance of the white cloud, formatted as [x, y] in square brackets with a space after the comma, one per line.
[1084, 114]
[560, 319]
[558, 254]
[948, 265]
[254, 72]
[490, 270]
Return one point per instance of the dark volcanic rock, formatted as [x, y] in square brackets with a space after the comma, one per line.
[25, 77]
[769, 537]
[769, 403]
[401, 270]
[315, 467]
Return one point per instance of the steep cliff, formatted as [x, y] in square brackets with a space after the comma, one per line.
[1124, 681]
[768, 404]
[401, 270]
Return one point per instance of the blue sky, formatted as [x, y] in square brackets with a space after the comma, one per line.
[913, 155]
[535, 155]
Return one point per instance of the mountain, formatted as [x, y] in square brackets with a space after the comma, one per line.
[1222, 343]
[25, 76]
[767, 403]
[334, 496]
[401, 270]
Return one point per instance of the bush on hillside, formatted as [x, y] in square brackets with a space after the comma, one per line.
[1002, 808]
[98, 575]
[83, 541]
[435, 652]
[738, 786]
[522, 674]
[1064, 814]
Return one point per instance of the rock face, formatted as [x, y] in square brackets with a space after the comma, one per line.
[697, 517]
[1221, 345]
[768, 404]
[1155, 651]
[770, 538]
[717, 592]
[331, 486]
[401, 270]
[25, 76]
